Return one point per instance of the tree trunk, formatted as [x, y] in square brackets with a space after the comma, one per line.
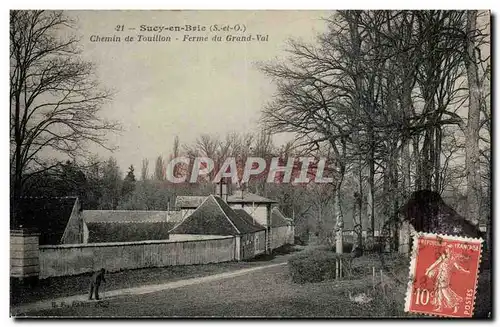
[370, 208]
[406, 164]
[394, 185]
[437, 159]
[472, 137]
[339, 227]
[370, 188]
[359, 204]
[418, 165]
[408, 81]
[427, 159]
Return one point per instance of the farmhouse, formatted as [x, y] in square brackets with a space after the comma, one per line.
[215, 217]
[125, 225]
[257, 206]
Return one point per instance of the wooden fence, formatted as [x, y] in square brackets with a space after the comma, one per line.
[74, 259]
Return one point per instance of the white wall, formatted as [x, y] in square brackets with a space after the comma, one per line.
[280, 236]
[260, 242]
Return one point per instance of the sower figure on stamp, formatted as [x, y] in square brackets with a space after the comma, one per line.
[95, 282]
[442, 268]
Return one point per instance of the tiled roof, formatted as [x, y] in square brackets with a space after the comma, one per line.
[247, 197]
[214, 217]
[249, 220]
[49, 216]
[237, 218]
[124, 216]
[278, 219]
[188, 201]
[128, 232]
[175, 216]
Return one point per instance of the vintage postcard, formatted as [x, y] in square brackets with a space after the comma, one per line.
[250, 164]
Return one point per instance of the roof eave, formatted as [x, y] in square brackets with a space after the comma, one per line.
[248, 201]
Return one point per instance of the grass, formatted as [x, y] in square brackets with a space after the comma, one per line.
[73, 285]
[266, 293]
[388, 292]
[281, 251]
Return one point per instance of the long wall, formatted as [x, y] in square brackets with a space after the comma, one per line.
[281, 235]
[74, 259]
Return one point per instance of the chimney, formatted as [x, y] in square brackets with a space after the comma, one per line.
[239, 194]
[221, 189]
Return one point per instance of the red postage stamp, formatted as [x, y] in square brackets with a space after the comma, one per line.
[443, 275]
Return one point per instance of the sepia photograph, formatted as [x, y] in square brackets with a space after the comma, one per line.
[250, 164]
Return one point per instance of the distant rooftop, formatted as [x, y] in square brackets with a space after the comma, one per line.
[124, 216]
[247, 197]
[215, 217]
[188, 201]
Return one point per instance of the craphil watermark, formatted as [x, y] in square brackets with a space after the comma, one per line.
[295, 170]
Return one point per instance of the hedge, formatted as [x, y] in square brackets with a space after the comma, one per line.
[316, 265]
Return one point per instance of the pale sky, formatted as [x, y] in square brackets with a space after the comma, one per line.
[180, 88]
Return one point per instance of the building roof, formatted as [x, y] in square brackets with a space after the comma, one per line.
[124, 216]
[214, 217]
[48, 216]
[188, 201]
[174, 216]
[278, 219]
[249, 220]
[247, 197]
[100, 232]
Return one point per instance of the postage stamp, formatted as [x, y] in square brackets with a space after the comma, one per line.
[443, 275]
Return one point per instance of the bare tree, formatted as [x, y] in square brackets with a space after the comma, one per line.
[472, 140]
[145, 169]
[54, 97]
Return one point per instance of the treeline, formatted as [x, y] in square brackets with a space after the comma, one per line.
[101, 184]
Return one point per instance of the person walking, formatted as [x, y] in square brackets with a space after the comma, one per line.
[95, 283]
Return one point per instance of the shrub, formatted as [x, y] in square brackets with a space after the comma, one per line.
[316, 265]
[298, 240]
[347, 247]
